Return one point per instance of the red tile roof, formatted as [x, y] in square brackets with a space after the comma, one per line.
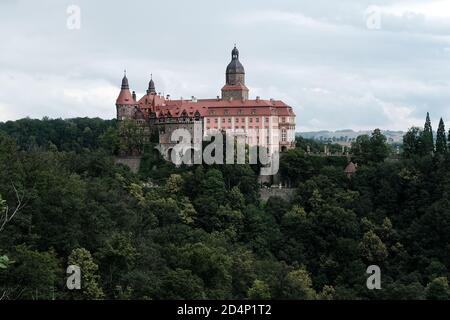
[125, 97]
[208, 107]
[238, 86]
[351, 168]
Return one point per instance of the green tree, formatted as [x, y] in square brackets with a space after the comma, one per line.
[90, 288]
[327, 293]
[236, 199]
[441, 140]
[117, 257]
[448, 139]
[372, 248]
[259, 291]
[298, 285]
[182, 284]
[243, 271]
[174, 184]
[212, 264]
[2, 205]
[370, 149]
[34, 275]
[131, 137]
[412, 143]
[427, 137]
[211, 197]
[378, 147]
[438, 289]
[361, 148]
[111, 141]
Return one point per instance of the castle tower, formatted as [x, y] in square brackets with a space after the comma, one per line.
[235, 79]
[151, 86]
[125, 104]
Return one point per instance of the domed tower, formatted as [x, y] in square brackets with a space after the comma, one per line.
[125, 104]
[235, 79]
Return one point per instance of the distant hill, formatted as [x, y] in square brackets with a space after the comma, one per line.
[346, 136]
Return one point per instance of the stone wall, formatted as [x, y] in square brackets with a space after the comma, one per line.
[284, 193]
[132, 162]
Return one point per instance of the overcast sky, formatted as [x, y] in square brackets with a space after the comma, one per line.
[335, 62]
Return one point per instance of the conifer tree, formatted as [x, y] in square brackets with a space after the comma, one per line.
[441, 140]
[448, 139]
[427, 137]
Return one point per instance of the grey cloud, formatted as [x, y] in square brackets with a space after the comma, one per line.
[317, 56]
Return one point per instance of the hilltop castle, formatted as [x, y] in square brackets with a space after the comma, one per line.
[232, 112]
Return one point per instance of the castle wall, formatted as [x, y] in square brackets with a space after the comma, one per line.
[125, 112]
[284, 193]
[132, 162]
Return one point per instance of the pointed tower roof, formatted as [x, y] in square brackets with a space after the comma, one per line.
[125, 81]
[151, 85]
[125, 96]
[235, 66]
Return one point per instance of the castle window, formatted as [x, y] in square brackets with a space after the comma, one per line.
[251, 120]
[223, 120]
[253, 111]
[267, 119]
[283, 135]
[225, 112]
[237, 120]
[257, 119]
[207, 120]
[216, 120]
[229, 120]
[283, 119]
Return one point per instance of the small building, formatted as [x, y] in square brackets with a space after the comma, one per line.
[350, 169]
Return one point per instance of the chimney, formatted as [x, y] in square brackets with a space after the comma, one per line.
[218, 98]
[168, 97]
[257, 98]
[193, 99]
[134, 95]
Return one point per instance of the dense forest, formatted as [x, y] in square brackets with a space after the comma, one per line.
[202, 232]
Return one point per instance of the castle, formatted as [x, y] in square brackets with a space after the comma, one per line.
[232, 112]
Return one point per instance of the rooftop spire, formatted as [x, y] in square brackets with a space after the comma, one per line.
[151, 85]
[125, 81]
[125, 97]
[235, 53]
[235, 78]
